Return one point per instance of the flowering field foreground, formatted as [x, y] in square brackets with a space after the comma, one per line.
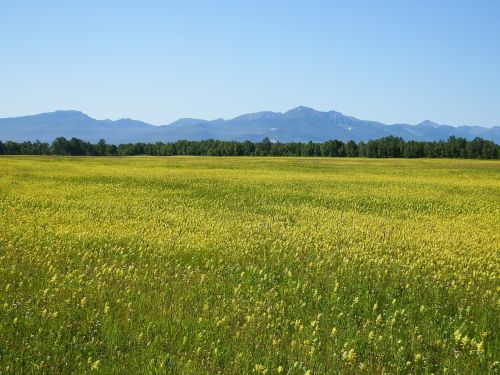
[191, 265]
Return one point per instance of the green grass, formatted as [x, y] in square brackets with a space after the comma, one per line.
[192, 265]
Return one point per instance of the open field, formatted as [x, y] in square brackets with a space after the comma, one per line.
[192, 265]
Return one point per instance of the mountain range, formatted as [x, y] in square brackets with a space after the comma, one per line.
[300, 124]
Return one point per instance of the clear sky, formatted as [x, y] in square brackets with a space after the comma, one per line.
[391, 61]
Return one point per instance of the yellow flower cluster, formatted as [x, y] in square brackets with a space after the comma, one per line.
[249, 265]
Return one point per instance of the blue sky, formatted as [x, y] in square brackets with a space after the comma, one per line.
[391, 61]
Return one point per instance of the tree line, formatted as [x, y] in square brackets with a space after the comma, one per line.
[387, 147]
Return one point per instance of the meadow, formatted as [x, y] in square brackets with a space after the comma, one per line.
[199, 265]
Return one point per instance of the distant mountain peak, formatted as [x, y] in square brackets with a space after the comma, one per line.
[301, 109]
[263, 115]
[428, 123]
[74, 111]
[186, 121]
[68, 112]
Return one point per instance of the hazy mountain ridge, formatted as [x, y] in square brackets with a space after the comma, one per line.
[298, 124]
